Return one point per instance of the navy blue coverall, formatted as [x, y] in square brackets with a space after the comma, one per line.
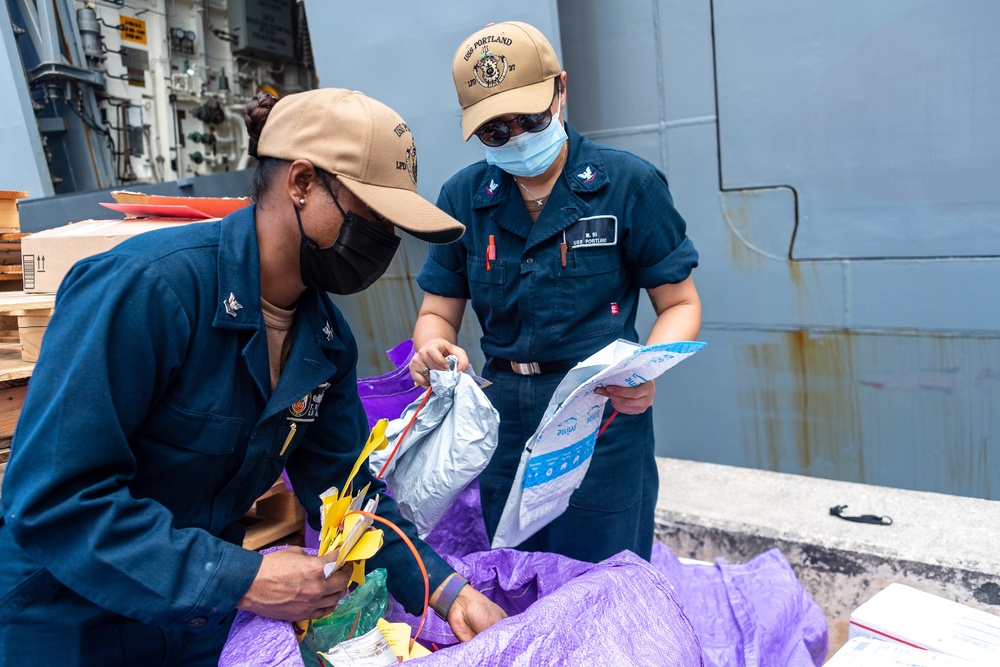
[148, 430]
[537, 302]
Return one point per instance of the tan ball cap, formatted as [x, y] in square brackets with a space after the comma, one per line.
[502, 69]
[367, 146]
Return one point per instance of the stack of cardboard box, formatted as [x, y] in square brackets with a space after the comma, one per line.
[14, 372]
[12, 312]
[901, 625]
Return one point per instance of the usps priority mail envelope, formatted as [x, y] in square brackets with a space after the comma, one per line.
[556, 458]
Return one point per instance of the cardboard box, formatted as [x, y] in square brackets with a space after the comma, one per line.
[46, 257]
[863, 652]
[906, 616]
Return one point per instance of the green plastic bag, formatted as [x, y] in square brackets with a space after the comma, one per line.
[357, 614]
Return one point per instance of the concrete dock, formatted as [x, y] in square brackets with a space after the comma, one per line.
[941, 544]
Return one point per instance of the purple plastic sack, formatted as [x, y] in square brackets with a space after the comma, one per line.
[388, 395]
[754, 614]
[620, 611]
[563, 612]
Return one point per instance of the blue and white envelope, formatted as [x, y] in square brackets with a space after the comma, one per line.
[556, 458]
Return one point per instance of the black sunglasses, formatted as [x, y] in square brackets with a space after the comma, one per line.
[497, 132]
[494, 133]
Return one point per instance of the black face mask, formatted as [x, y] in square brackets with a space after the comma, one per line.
[357, 258]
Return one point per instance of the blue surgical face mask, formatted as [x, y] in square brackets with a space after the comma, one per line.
[529, 153]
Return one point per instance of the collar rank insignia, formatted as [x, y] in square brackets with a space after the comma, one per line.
[328, 330]
[491, 189]
[588, 175]
[232, 305]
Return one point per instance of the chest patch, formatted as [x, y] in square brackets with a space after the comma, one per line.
[595, 231]
[307, 408]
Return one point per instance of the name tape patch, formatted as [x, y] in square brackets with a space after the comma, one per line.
[595, 231]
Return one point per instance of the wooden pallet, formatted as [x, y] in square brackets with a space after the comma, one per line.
[14, 370]
[11, 273]
[23, 318]
[12, 393]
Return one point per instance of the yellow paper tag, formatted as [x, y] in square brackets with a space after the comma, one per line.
[358, 573]
[300, 628]
[333, 514]
[367, 546]
[398, 636]
[418, 651]
[376, 440]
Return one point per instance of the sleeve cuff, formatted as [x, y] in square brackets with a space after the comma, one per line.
[233, 577]
[674, 268]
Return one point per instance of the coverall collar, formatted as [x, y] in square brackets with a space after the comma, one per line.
[238, 302]
[315, 340]
[584, 173]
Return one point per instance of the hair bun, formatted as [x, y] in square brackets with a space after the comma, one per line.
[255, 115]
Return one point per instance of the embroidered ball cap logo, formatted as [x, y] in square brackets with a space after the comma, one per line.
[367, 146]
[491, 68]
[411, 162]
[502, 69]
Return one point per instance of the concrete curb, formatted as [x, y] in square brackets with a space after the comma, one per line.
[945, 545]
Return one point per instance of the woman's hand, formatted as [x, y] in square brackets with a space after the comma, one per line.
[432, 356]
[629, 400]
[471, 613]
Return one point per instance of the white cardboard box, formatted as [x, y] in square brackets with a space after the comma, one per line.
[909, 617]
[47, 256]
[864, 652]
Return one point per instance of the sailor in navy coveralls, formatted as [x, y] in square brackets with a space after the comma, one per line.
[562, 235]
[181, 372]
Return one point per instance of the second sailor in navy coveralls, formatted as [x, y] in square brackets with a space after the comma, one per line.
[180, 373]
[562, 234]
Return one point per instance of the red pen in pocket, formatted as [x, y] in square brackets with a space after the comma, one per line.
[491, 253]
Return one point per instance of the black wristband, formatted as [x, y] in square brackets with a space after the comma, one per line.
[448, 593]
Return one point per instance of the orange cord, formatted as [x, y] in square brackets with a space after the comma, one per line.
[613, 415]
[355, 626]
[420, 562]
[403, 434]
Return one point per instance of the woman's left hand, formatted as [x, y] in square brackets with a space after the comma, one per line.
[630, 400]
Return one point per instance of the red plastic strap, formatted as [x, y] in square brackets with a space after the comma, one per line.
[403, 434]
[613, 415]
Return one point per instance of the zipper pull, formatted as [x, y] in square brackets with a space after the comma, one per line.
[288, 440]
